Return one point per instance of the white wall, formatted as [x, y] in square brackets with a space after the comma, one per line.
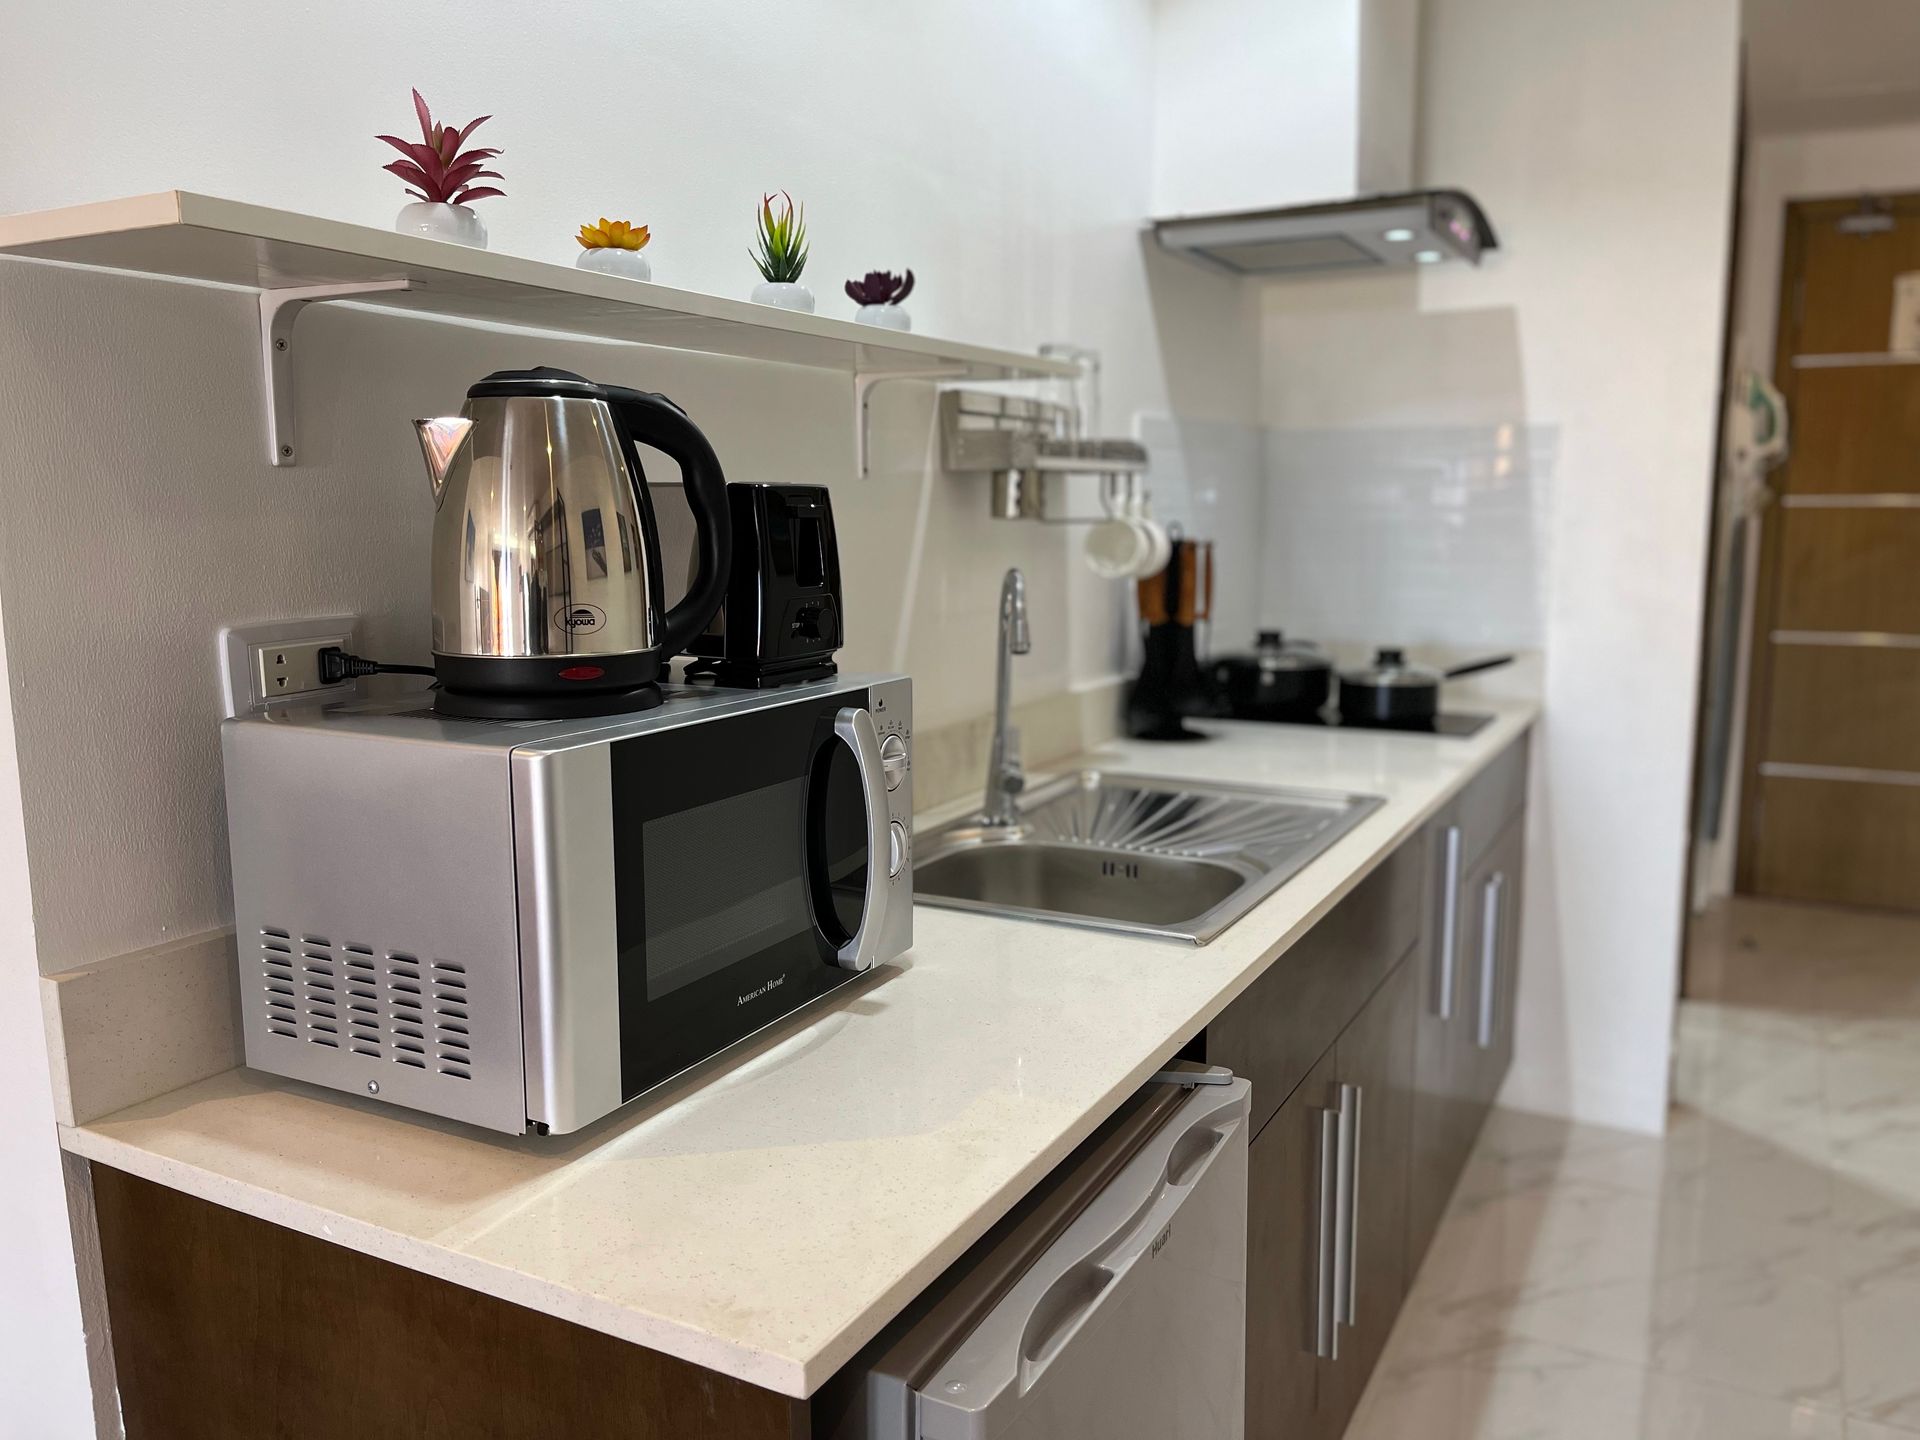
[44, 1388]
[1259, 104]
[1781, 168]
[1000, 153]
[1600, 138]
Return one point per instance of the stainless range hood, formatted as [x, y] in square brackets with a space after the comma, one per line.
[1379, 232]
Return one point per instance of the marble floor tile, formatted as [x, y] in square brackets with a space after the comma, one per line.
[1520, 1389]
[1881, 1334]
[1754, 1272]
[1876, 1235]
[1859, 1429]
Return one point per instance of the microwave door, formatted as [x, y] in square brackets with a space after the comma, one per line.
[850, 848]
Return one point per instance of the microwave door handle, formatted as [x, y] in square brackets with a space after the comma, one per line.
[854, 727]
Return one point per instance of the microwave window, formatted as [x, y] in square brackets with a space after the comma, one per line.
[724, 881]
[739, 859]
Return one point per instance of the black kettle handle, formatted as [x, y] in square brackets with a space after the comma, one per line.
[655, 420]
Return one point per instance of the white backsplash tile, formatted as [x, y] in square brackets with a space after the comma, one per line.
[1423, 536]
[1417, 536]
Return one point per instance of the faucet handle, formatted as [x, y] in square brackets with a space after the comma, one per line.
[1014, 771]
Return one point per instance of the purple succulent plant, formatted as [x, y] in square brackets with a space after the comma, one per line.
[880, 287]
[439, 169]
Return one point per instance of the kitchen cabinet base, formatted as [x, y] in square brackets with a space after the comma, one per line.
[226, 1327]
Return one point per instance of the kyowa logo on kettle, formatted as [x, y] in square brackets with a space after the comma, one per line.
[579, 619]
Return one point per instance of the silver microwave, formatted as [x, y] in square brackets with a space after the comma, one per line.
[525, 925]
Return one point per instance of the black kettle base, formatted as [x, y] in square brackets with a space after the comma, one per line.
[496, 705]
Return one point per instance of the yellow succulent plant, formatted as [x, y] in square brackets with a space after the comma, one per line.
[613, 235]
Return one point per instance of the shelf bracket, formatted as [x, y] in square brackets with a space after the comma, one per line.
[278, 310]
[863, 384]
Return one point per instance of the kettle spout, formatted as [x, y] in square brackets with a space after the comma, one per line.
[440, 442]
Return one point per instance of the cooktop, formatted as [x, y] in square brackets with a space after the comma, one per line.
[1455, 723]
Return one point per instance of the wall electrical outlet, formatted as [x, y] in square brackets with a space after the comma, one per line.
[278, 661]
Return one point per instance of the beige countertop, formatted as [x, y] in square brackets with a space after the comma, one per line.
[767, 1216]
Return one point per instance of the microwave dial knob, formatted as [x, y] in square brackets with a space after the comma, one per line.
[893, 760]
[896, 849]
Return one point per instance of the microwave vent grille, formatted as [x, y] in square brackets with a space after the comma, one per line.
[378, 1004]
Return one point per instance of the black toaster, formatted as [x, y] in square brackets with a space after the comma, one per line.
[780, 622]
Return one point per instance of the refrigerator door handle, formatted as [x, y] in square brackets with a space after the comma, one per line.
[1009, 1351]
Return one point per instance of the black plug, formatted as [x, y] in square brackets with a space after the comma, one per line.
[337, 665]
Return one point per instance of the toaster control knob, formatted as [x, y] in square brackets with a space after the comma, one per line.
[893, 760]
[896, 848]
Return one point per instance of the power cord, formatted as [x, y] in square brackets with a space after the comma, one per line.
[337, 665]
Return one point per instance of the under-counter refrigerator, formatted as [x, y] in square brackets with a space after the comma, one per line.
[1111, 1305]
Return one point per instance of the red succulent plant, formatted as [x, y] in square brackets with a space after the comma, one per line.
[436, 169]
[880, 287]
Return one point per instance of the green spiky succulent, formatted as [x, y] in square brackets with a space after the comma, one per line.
[783, 240]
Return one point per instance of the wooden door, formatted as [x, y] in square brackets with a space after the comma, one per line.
[1285, 1258]
[1831, 798]
[1375, 1056]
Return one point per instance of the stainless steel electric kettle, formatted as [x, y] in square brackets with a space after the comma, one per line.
[546, 584]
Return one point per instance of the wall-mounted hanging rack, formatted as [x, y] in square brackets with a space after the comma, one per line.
[1019, 443]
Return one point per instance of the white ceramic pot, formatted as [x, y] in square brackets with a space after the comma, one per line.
[887, 317]
[610, 260]
[455, 223]
[787, 294]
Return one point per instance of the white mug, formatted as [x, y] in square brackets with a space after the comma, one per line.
[1119, 545]
[1159, 542]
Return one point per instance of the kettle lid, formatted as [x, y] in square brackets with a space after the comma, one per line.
[541, 380]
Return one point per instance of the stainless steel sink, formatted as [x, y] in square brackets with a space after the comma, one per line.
[1134, 853]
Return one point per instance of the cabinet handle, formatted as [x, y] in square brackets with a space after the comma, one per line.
[1449, 924]
[1326, 1340]
[1350, 1096]
[1344, 1136]
[1492, 912]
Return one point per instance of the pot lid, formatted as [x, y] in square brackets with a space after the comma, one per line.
[1391, 669]
[1273, 651]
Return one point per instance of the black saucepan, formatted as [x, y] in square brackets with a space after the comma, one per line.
[1394, 694]
[1281, 680]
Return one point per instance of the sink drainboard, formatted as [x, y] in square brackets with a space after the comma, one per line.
[1135, 853]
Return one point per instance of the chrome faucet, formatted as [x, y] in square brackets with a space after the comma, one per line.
[1005, 777]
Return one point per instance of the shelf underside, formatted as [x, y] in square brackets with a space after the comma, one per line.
[183, 236]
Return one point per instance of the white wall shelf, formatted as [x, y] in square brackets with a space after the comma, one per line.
[294, 260]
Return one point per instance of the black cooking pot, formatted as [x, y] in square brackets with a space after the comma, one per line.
[1394, 694]
[1279, 681]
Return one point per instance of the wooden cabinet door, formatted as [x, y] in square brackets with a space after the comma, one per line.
[1287, 1260]
[1491, 952]
[1289, 1017]
[1375, 1060]
[1444, 1117]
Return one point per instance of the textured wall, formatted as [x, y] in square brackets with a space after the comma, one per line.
[1004, 161]
[1600, 138]
[1001, 151]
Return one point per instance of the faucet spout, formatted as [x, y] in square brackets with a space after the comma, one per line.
[1006, 777]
